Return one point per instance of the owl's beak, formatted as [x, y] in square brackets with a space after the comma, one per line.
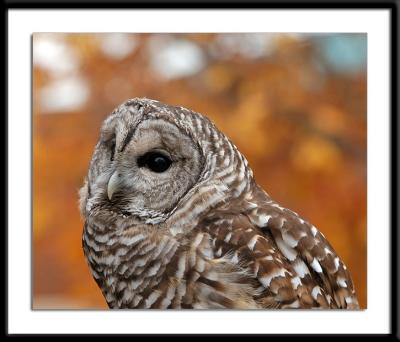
[113, 184]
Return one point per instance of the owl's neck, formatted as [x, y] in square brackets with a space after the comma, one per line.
[127, 263]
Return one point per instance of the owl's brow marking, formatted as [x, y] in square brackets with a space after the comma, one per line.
[128, 138]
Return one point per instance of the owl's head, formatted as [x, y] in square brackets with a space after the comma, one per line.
[154, 161]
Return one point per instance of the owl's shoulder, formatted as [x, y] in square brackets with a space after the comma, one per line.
[290, 259]
[236, 240]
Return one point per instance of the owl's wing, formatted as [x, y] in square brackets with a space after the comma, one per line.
[310, 255]
[278, 282]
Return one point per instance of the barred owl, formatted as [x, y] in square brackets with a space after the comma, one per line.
[175, 219]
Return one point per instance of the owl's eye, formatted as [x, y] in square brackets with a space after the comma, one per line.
[155, 161]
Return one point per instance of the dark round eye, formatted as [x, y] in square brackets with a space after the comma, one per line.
[155, 161]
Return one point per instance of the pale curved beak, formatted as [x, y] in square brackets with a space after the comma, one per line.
[113, 184]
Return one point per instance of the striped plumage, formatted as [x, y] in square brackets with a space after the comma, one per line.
[201, 234]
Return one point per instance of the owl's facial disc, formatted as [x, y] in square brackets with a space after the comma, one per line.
[150, 168]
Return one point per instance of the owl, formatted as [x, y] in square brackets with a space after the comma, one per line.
[175, 219]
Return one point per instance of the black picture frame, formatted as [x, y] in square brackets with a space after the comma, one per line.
[392, 6]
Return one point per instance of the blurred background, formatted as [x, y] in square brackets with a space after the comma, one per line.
[294, 104]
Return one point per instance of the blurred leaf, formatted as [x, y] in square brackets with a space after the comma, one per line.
[302, 127]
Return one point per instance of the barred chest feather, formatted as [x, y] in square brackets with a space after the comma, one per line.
[246, 261]
[134, 271]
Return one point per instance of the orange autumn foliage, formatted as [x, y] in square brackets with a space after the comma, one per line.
[303, 132]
